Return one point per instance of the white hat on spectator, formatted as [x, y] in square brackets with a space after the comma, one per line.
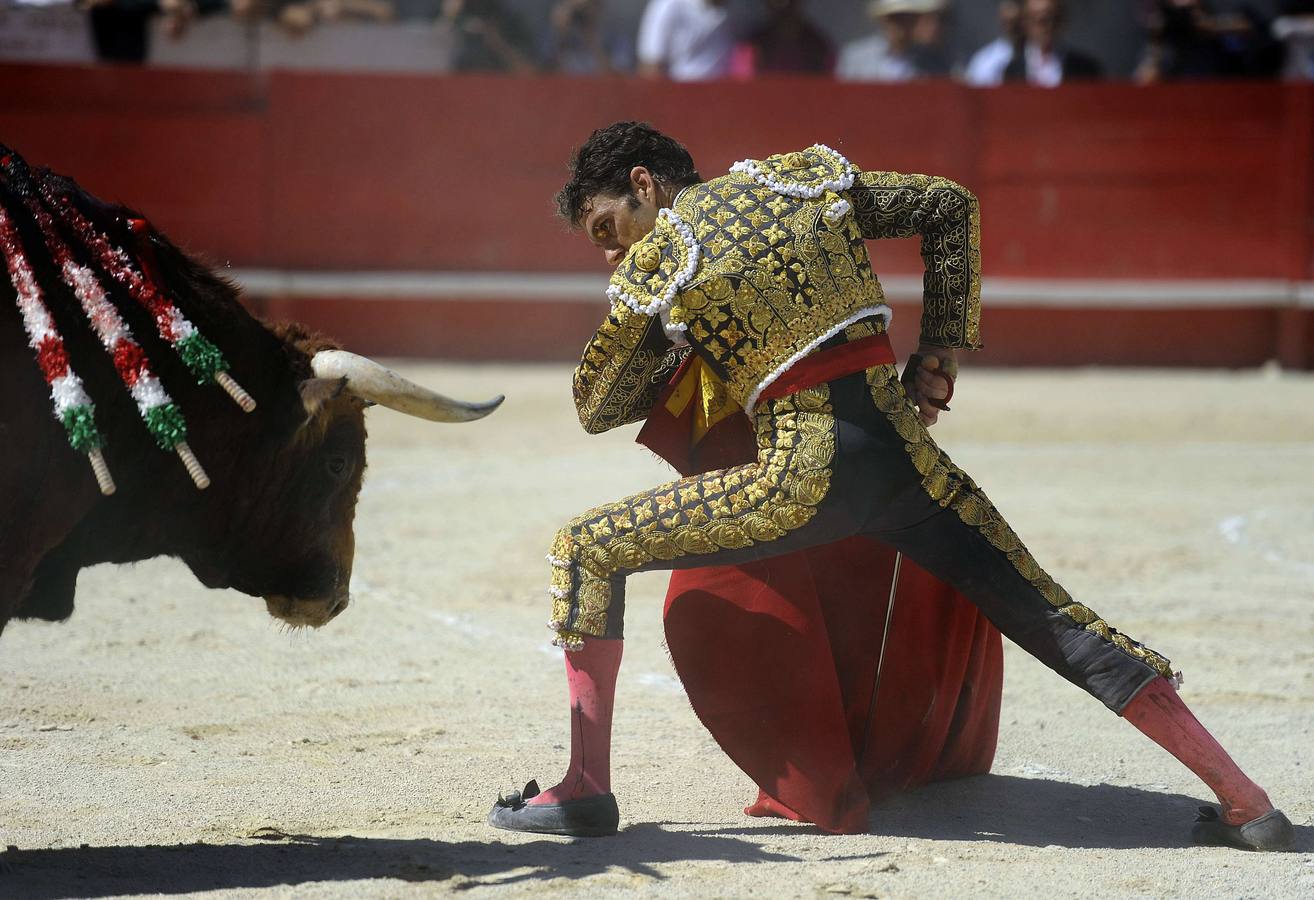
[895, 7]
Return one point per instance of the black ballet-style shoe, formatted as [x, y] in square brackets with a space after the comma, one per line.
[1271, 831]
[595, 816]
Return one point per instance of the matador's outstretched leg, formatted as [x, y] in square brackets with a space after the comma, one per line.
[1248, 818]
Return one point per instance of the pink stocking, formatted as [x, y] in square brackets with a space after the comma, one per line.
[591, 675]
[1159, 713]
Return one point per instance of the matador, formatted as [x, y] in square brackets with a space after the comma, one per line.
[761, 279]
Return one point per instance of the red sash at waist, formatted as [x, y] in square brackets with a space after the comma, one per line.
[830, 364]
[726, 440]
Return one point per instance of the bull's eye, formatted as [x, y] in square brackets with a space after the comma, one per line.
[337, 465]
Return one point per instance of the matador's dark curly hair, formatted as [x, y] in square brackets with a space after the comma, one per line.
[603, 164]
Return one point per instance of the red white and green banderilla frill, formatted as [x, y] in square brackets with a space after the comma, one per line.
[161, 415]
[200, 355]
[72, 407]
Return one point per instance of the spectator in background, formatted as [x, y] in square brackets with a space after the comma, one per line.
[1190, 39]
[579, 41]
[1045, 61]
[1183, 42]
[299, 16]
[487, 37]
[120, 29]
[987, 65]
[903, 48]
[1295, 28]
[786, 43]
[929, 52]
[689, 40]
[247, 11]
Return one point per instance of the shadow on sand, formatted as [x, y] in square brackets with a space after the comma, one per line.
[290, 859]
[1036, 812]
[1004, 809]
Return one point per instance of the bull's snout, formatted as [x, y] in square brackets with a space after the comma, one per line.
[300, 613]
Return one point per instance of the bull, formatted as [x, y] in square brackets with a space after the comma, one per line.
[286, 471]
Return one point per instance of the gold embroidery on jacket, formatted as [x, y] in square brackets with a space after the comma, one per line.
[951, 487]
[728, 509]
[773, 276]
[947, 216]
[652, 267]
[623, 370]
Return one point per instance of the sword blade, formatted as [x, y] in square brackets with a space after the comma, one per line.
[880, 660]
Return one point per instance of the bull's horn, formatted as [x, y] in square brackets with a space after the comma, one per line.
[378, 384]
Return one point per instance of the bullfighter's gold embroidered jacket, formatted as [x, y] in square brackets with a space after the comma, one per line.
[755, 269]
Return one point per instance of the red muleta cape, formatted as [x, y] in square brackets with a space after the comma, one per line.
[779, 657]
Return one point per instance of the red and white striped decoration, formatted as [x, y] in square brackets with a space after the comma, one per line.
[130, 361]
[71, 405]
[172, 325]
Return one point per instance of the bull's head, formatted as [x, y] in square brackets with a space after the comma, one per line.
[299, 552]
[286, 471]
[344, 383]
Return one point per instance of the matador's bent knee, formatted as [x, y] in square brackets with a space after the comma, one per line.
[727, 510]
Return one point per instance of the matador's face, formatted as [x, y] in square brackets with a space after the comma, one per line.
[614, 223]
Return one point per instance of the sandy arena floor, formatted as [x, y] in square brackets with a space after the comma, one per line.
[174, 740]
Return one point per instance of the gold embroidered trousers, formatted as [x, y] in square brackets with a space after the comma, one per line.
[850, 457]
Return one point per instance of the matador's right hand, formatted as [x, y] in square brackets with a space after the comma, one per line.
[928, 380]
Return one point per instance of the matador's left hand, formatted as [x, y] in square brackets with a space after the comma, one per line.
[929, 380]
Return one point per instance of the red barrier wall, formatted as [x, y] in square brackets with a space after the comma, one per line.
[351, 172]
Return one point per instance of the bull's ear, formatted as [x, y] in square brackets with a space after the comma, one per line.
[315, 392]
